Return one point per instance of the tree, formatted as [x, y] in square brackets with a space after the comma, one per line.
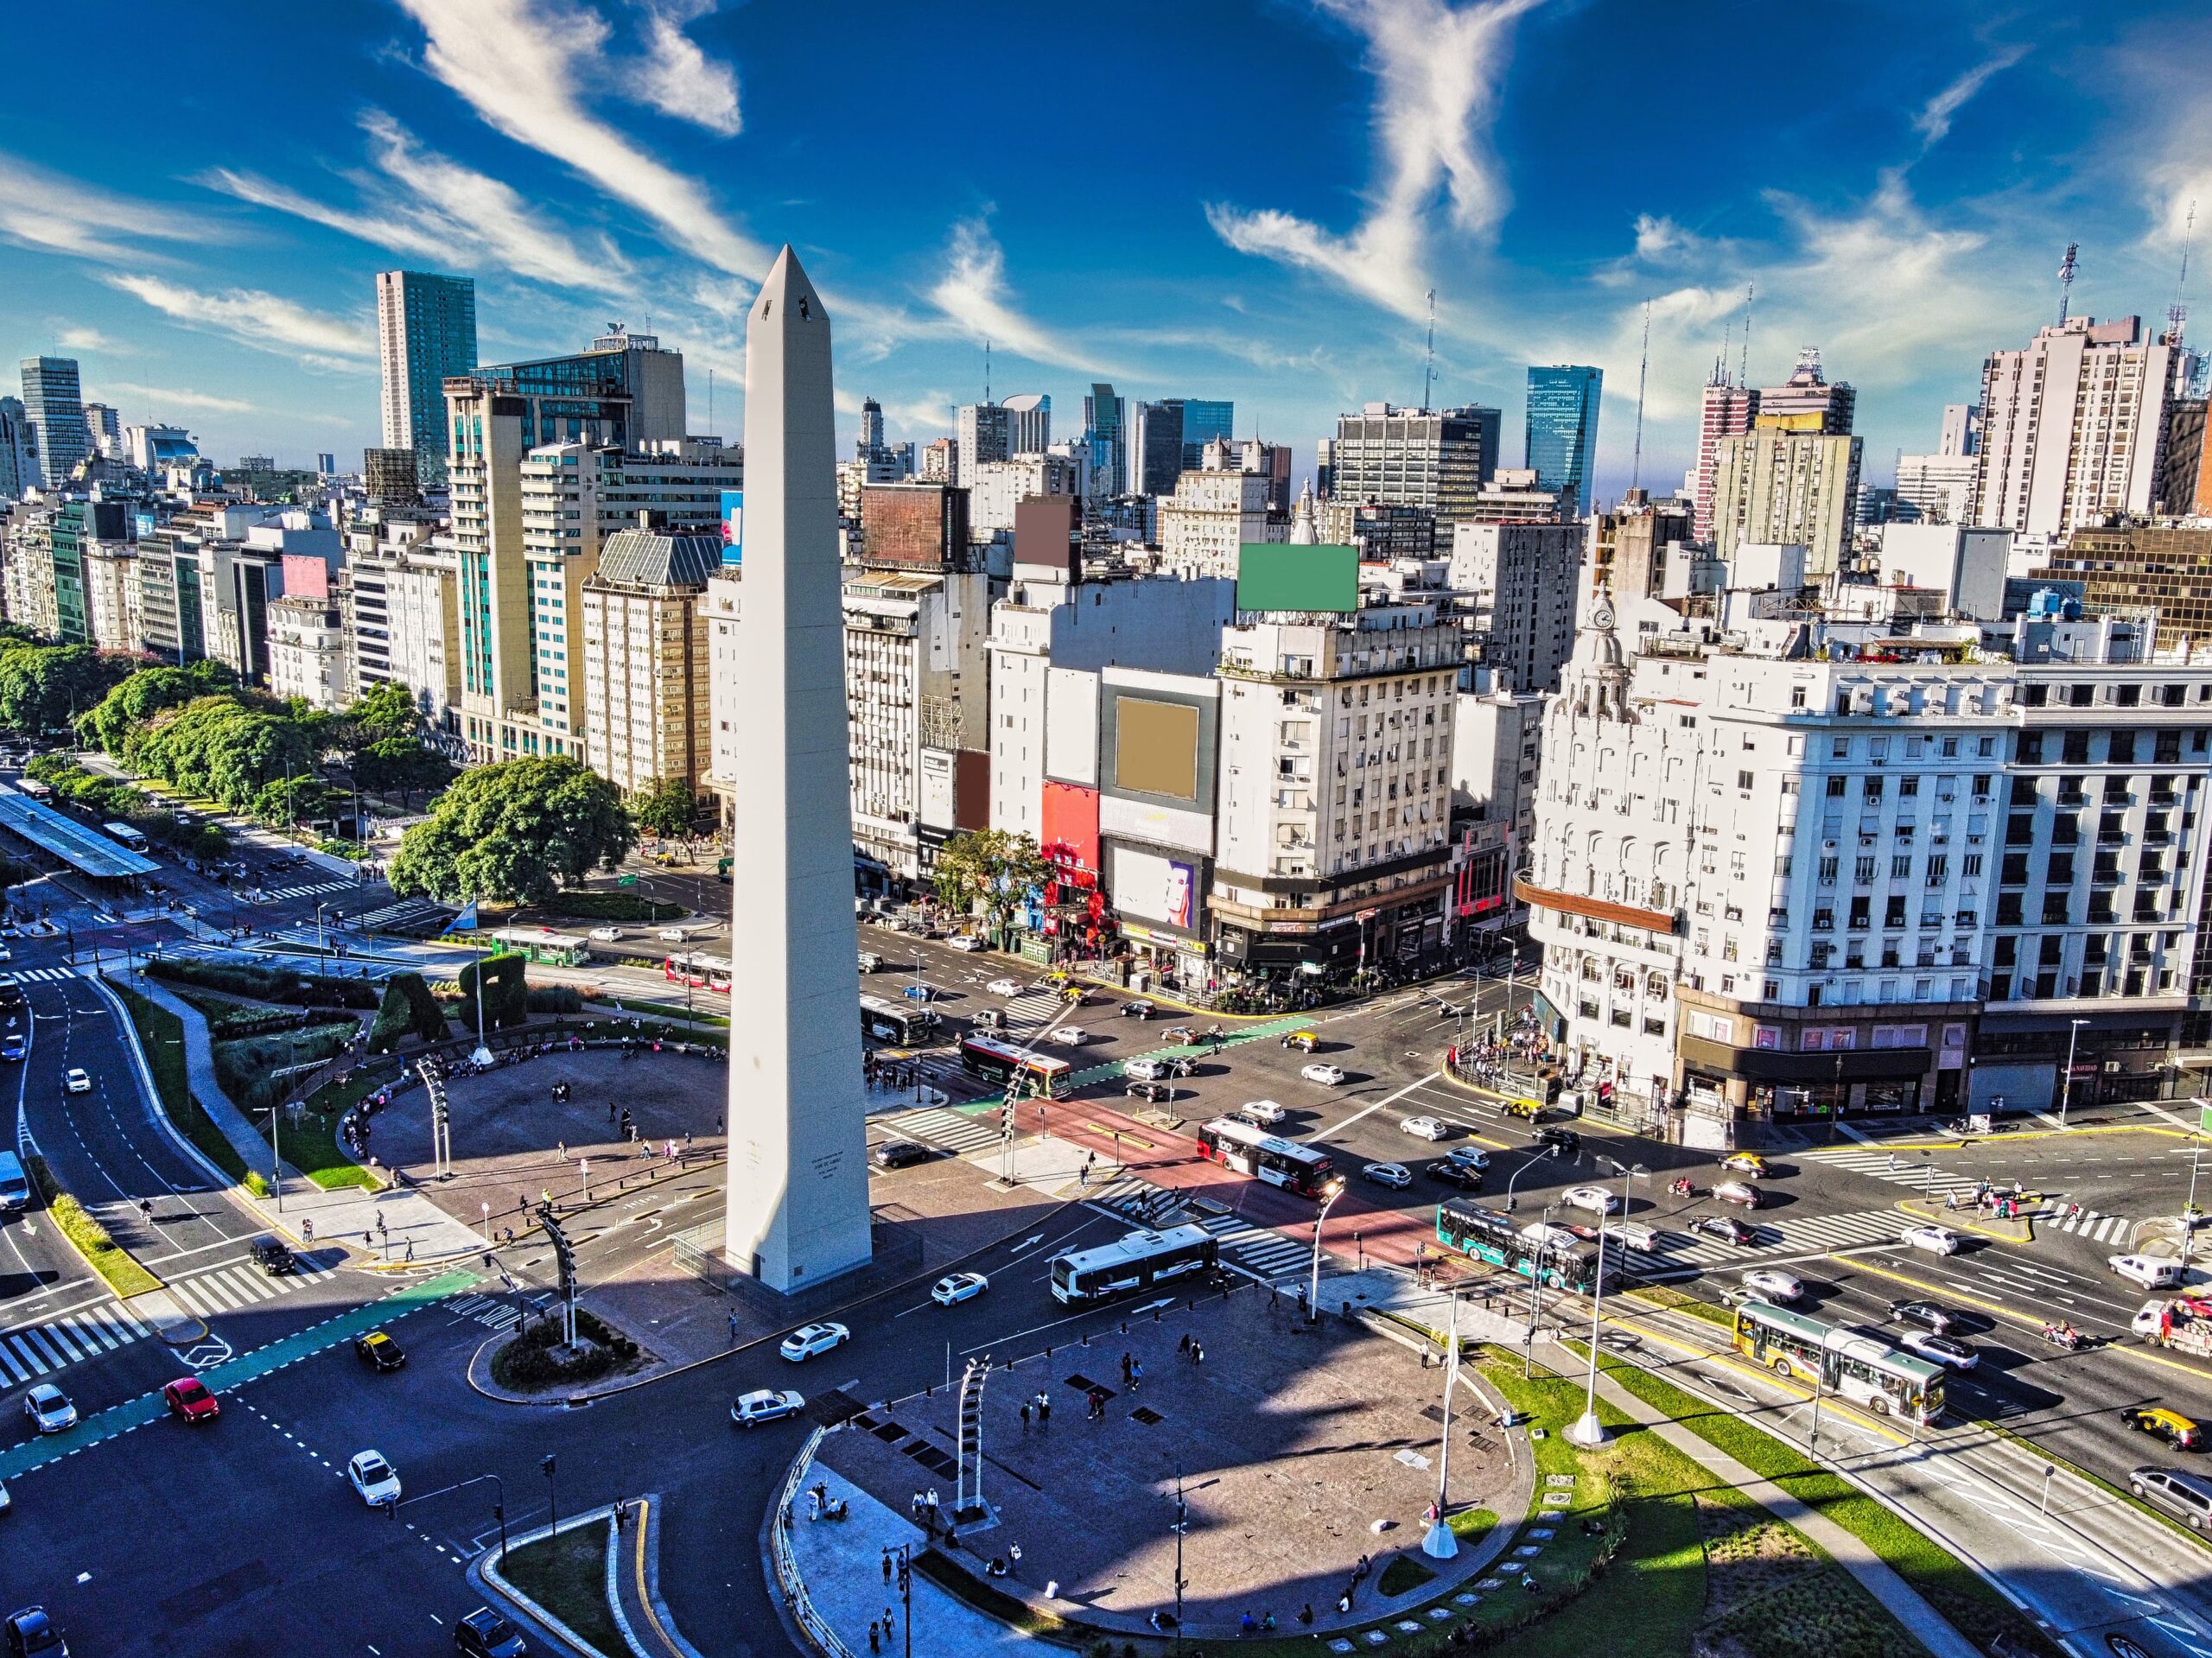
[43, 688]
[990, 867]
[145, 693]
[665, 807]
[515, 832]
[291, 801]
[383, 739]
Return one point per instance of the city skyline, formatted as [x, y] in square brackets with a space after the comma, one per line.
[583, 165]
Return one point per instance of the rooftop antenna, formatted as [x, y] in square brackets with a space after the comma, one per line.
[1643, 369]
[987, 371]
[1720, 363]
[2066, 280]
[2177, 313]
[1744, 368]
[1428, 371]
[711, 400]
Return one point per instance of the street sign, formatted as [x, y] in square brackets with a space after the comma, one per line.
[626, 880]
[2204, 1116]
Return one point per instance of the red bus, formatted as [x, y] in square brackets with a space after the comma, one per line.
[701, 971]
[999, 1062]
[1247, 1148]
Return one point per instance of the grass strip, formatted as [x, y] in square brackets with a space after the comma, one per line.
[1666, 1295]
[987, 1598]
[161, 1034]
[1974, 1606]
[567, 1575]
[116, 1265]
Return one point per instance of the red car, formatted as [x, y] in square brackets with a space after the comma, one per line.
[189, 1399]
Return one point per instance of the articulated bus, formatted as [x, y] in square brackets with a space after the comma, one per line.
[1249, 1149]
[1565, 1261]
[886, 1022]
[999, 1062]
[1140, 1261]
[699, 970]
[1849, 1363]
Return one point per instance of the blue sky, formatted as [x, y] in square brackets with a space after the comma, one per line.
[1216, 197]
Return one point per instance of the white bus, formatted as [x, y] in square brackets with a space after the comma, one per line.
[1849, 1363]
[907, 1027]
[124, 834]
[1138, 1261]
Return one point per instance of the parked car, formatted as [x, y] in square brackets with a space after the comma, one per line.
[74, 1080]
[1423, 1127]
[2187, 1496]
[1265, 1113]
[485, 1634]
[31, 1634]
[967, 943]
[1952, 1355]
[49, 1408]
[1735, 1191]
[189, 1400]
[1936, 1240]
[2177, 1430]
[1774, 1284]
[1726, 1228]
[955, 1288]
[768, 1405]
[1327, 1076]
[1926, 1314]
[2152, 1272]
[1396, 1176]
[897, 1154]
[1592, 1196]
[809, 1339]
[375, 1479]
[1453, 1173]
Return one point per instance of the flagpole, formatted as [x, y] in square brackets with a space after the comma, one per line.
[483, 1054]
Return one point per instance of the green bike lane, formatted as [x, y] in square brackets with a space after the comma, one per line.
[1112, 1069]
[239, 1371]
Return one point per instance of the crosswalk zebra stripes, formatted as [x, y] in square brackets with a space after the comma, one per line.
[39, 974]
[1791, 1236]
[1909, 1172]
[34, 1350]
[233, 1289]
[2090, 1223]
[315, 889]
[1034, 1010]
[958, 1132]
[1264, 1253]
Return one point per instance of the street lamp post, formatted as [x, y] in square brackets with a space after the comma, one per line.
[1548, 1151]
[552, 1492]
[1587, 1430]
[2066, 1083]
[1536, 1290]
[1439, 1544]
[1182, 1524]
[1330, 1194]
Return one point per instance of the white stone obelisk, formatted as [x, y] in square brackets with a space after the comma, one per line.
[797, 1204]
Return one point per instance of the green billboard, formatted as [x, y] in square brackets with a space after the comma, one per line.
[1279, 575]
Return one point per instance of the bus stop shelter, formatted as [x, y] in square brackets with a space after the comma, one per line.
[82, 847]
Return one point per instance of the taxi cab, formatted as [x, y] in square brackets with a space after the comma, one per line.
[1303, 1041]
[1526, 1110]
[1749, 1163]
[2177, 1430]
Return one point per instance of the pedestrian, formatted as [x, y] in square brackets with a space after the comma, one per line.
[384, 1227]
[914, 1508]
[307, 1230]
[886, 1566]
[1014, 1554]
[1184, 1345]
[410, 1249]
[733, 1341]
[1136, 1375]
[1893, 1162]
[933, 1508]
[1025, 1416]
[1044, 1407]
[889, 1626]
[561, 1150]
[610, 1111]
[1125, 1361]
[1197, 1353]
[875, 1642]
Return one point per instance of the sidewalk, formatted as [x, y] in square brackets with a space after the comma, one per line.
[394, 1227]
[1850, 1552]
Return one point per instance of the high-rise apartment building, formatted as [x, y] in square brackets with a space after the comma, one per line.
[18, 450]
[1936, 488]
[982, 431]
[1210, 516]
[1774, 484]
[2072, 427]
[103, 430]
[1962, 429]
[1520, 580]
[1725, 411]
[1028, 423]
[1105, 419]
[53, 400]
[1561, 441]
[1439, 459]
[1806, 402]
[426, 333]
[645, 656]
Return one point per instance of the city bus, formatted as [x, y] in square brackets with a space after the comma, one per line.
[1138, 1261]
[1000, 1061]
[1564, 1260]
[32, 789]
[1247, 1148]
[886, 1022]
[123, 835]
[1850, 1363]
[698, 969]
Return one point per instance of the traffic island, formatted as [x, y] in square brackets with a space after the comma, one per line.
[536, 1361]
[1981, 1223]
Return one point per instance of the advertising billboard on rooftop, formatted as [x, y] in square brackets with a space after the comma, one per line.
[1278, 576]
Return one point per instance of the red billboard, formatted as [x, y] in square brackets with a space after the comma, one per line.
[1071, 821]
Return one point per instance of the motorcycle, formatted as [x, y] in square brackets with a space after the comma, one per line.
[2065, 1336]
[1682, 1189]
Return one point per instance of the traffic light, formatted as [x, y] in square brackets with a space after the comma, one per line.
[1006, 1118]
[564, 1253]
[439, 1115]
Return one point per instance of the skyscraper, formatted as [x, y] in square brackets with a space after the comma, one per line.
[983, 432]
[53, 402]
[797, 1209]
[1203, 420]
[1726, 412]
[1806, 403]
[426, 331]
[1439, 459]
[18, 459]
[1562, 431]
[1155, 448]
[1104, 427]
[1028, 424]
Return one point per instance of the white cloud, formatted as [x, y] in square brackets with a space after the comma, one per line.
[166, 398]
[54, 214]
[677, 79]
[1933, 124]
[972, 296]
[532, 69]
[253, 317]
[1437, 70]
[85, 339]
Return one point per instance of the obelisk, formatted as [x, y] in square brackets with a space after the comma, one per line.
[798, 1201]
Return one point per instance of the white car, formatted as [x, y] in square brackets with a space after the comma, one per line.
[6, 954]
[1265, 1113]
[966, 942]
[1423, 1127]
[768, 1405]
[606, 935]
[809, 1339]
[1937, 1240]
[1396, 1176]
[1068, 1036]
[1148, 1071]
[674, 935]
[1774, 1284]
[377, 1480]
[1003, 987]
[955, 1288]
[1591, 1198]
[76, 1081]
[1327, 1076]
[1951, 1355]
[49, 1408]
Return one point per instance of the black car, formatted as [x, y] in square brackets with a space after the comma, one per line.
[1452, 1171]
[272, 1255]
[15, 1046]
[1136, 1010]
[485, 1634]
[378, 1351]
[1158, 1093]
[1926, 1314]
[897, 1154]
[1565, 1140]
[1726, 1228]
[31, 1631]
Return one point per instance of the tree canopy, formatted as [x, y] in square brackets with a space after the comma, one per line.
[514, 832]
[990, 867]
[44, 687]
[665, 806]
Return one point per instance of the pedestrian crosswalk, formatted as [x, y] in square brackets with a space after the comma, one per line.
[315, 890]
[1035, 1009]
[234, 1289]
[39, 974]
[2050, 1213]
[416, 917]
[33, 1350]
[958, 1132]
[1264, 1254]
[2097, 1227]
[1811, 1235]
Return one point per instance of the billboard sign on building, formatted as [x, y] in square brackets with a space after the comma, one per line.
[733, 527]
[1180, 880]
[1280, 575]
